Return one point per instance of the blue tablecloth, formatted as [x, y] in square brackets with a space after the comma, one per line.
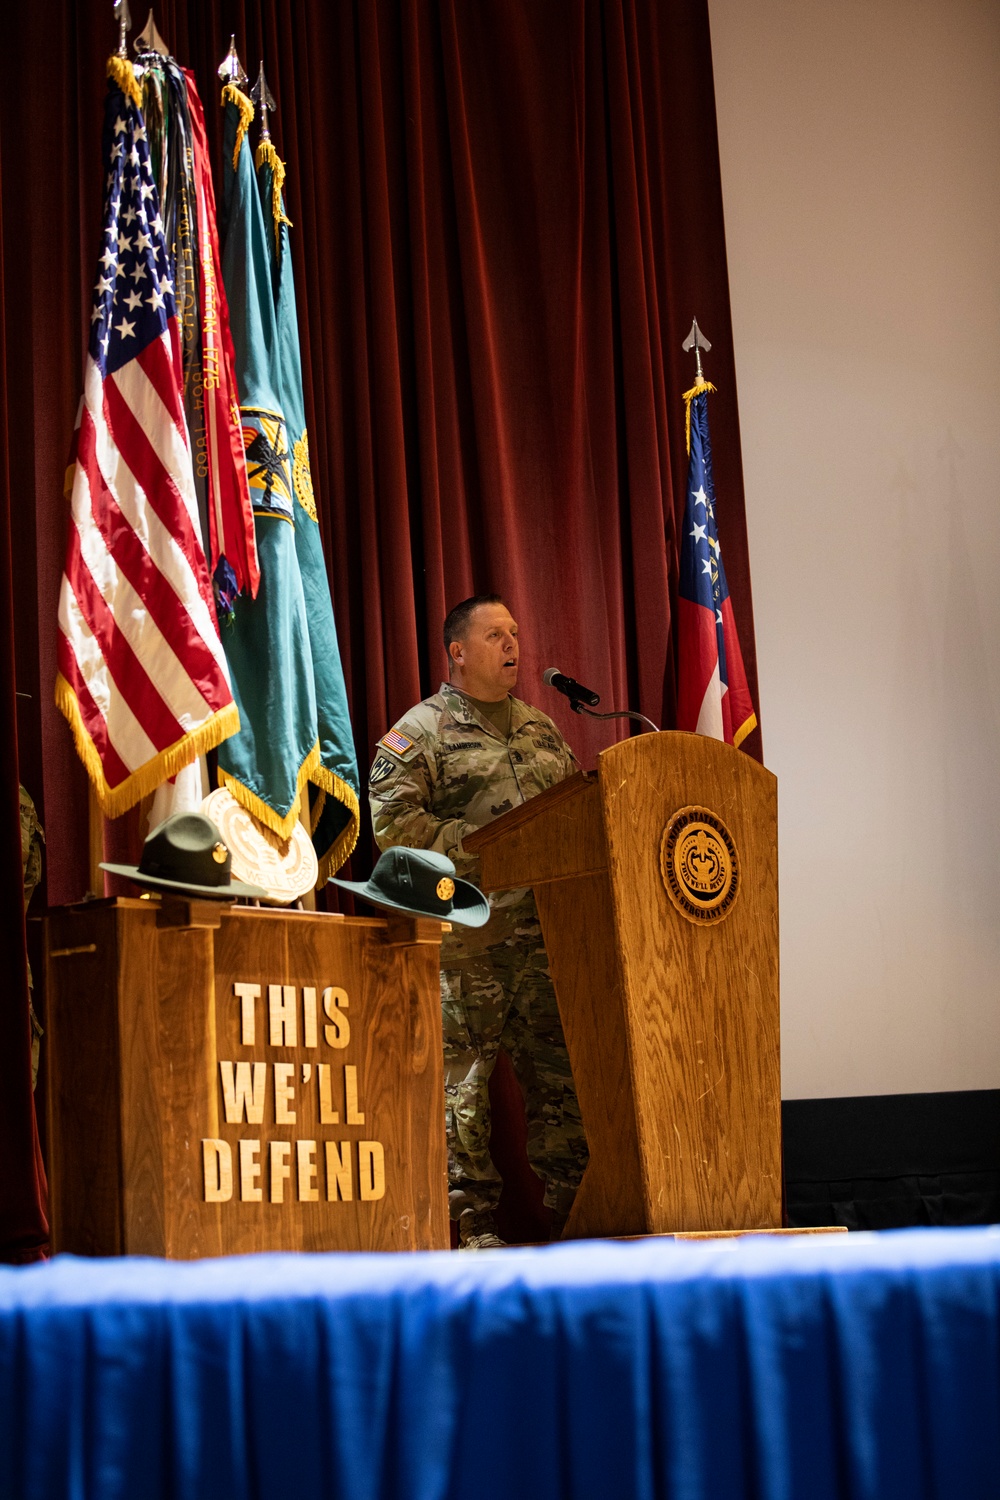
[862, 1366]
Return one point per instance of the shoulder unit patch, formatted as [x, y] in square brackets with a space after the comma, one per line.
[380, 770]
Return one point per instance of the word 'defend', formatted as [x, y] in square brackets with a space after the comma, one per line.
[286, 1009]
[336, 1164]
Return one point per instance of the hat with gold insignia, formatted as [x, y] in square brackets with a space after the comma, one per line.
[186, 854]
[286, 868]
[421, 883]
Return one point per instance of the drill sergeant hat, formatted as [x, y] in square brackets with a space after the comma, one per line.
[285, 868]
[421, 883]
[186, 854]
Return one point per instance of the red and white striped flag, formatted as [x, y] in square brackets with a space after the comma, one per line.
[712, 693]
[233, 540]
[142, 677]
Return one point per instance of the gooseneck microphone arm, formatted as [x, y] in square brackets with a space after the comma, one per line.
[620, 713]
[584, 700]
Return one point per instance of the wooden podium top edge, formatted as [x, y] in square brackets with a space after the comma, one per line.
[483, 837]
[475, 843]
[227, 908]
[717, 747]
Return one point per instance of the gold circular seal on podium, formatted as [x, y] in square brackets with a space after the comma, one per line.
[699, 865]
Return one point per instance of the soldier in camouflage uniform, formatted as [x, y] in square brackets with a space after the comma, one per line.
[453, 763]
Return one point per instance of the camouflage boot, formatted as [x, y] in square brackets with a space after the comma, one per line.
[478, 1231]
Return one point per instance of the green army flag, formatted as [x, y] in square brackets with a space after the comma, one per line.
[335, 815]
[268, 763]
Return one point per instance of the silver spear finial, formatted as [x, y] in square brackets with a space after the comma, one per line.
[149, 38]
[264, 100]
[231, 70]
[697, 341]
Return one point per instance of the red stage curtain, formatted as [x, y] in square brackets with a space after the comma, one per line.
[506, 214]
[23, 1224]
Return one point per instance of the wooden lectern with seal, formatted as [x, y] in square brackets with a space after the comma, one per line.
[657, 887]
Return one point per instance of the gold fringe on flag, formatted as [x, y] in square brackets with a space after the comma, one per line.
[267, 153]
[122, 73]
[143, 782]
[747, 727]
[231, 94]
[284, 827]
[338, 854]
[317, 810]
[343, 847]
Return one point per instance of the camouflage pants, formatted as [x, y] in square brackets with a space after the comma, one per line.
[505, 998]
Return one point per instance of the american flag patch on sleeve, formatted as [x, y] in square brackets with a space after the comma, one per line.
[396, 742]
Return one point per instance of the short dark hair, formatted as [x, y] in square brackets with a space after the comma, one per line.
[457, 620]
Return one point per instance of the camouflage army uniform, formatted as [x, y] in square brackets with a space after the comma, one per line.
[31, 873]
[442, 772]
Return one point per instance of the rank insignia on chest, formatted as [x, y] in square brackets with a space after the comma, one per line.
[396, 742]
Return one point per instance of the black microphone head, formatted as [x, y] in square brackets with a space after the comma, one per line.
[569, 687]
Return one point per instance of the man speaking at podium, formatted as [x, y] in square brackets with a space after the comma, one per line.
[454, 762]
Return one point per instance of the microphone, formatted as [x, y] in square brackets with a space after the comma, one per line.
[569, 687]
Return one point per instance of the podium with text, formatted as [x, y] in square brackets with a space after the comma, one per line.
[232, 1079]
[656, 881]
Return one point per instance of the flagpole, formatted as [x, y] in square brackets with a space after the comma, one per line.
[95, 813]
[712, 693]
[124, 19]
[697, 341]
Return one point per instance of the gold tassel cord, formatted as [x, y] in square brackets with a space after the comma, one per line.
[122, 74]
[143, 782]
[266, 153]
[283, 826]
[700, 388]
[232, 95]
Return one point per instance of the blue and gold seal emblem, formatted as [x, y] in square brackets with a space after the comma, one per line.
[269, 469]
[699, 865]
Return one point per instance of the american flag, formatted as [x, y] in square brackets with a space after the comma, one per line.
[142, 678]
[712, 696]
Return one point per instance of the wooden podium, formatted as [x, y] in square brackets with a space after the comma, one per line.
[657, 887]
[227, 1079]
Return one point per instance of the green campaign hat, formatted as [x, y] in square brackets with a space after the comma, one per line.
[421, 883]
[186, 853]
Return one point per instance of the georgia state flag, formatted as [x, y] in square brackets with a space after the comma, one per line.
[713, 697]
